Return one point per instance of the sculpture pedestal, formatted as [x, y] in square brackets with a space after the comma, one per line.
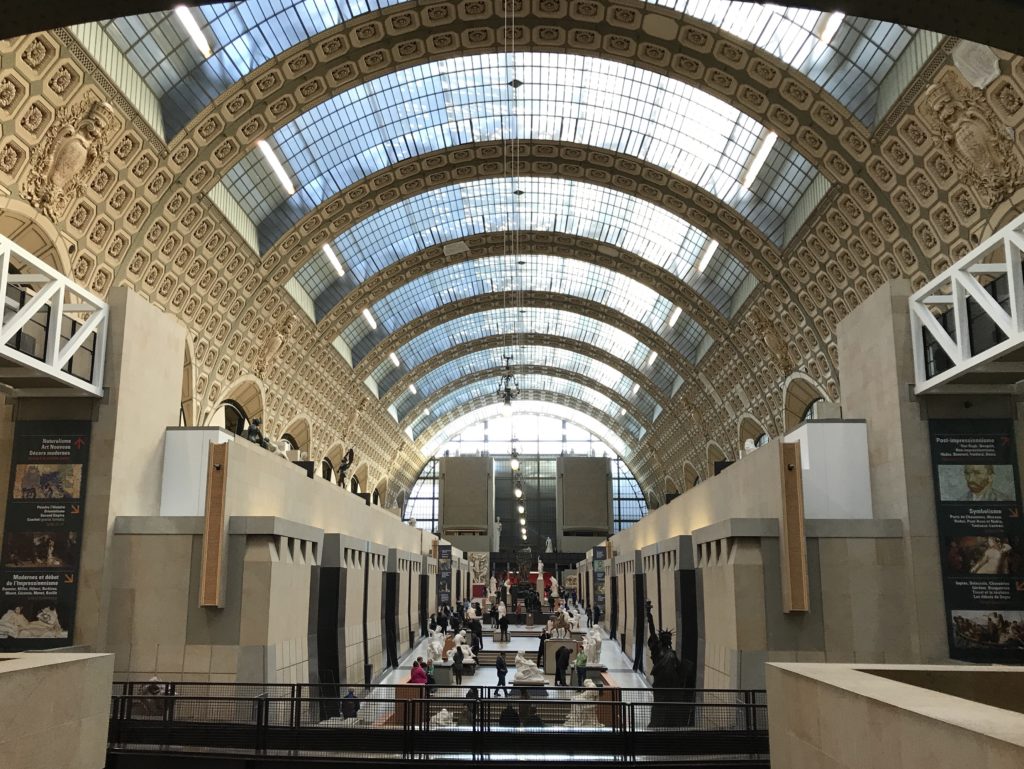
[596, 673]
[533, 690]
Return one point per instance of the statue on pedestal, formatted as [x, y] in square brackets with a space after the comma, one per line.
[554, 587]
[496, 543]
[492, 587]
[592, 646]
[467, 653]
[583, 711]
[548, 547]
[435, 645]
[527, 671]
[670, 676]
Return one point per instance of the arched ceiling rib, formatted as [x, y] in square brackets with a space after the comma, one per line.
[581, 317]
[518, 273]
[529, 203]
[571, 247]
[602, 104]
[532, 347]
[489, 364]
[994, 22]
[667, 42]
[563, 406]
[481, 384]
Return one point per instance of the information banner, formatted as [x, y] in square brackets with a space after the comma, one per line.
[42, 539]
[444, 575]
[600, 559]
[981, 538]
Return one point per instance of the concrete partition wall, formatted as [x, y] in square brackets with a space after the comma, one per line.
[913, 717]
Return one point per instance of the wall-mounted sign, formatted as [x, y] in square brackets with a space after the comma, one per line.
[42, 540]
[981, 538]
[600, 559]
[444, 575]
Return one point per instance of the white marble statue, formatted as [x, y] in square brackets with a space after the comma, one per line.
[572, 619]
[554, 587]
[592, 647]
[548, 547]
[442, 718]
[583, 711]
[496, 544]
[467, 653]
[435, 646]
[502, 611]
[527, 671]
[492, 587]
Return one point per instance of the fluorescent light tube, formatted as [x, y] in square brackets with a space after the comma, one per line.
[275, 164]
[760, 156]
[706, 254]
[188, 21]
[412, 389]
[329, 253]
[675, 316]
[369, 319]
[394, 359]
[652, 357]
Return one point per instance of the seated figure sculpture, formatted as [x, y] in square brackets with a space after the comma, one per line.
[467, 653]
[435, 646]
[527, 671]
[442, 718]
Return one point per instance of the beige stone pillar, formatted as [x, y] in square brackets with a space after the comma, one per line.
[142, 380]
[877, 373]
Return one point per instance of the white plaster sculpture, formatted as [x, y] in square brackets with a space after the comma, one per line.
[467, 653]
[496, 544]
[442, 718]
[492, 587]
[502, 611]
[749, 446]
[435, 646]
[527, 671]
[554, 588]
[592, 647]
[583, 711]
[572, 620]
[548, 548]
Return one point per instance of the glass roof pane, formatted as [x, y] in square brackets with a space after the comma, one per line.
[245, 35]
[549, 205]
[578, 99]
[523, 408]
[507, 321]
[531, 383]
[525, 359]
[535, 273]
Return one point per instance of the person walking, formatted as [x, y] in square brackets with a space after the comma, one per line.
[581, 667]
[590, 617]
[503, 624]
[562, 657]
[502, 668]
[457, 659]
[544, 635]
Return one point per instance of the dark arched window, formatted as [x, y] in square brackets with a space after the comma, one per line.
[354, 485]
[291, 440]
[326, 468]
[761, 440]
[235, 419]
[809, 411]
[375, 497]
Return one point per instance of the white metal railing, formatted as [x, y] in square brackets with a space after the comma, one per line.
[49, 324]
[999, 255]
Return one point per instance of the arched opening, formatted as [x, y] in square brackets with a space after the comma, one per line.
[245, 397]
[293, 444]
[298, 435]
[231, 416]
[353, 485]
[717, 459]
[36, 234]
[800, 395]
[671, 489]
[187, 412]
[690, 475]
[375, 497]
[752, 434]
[327, 469]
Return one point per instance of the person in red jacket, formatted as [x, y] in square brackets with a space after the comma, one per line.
[419, 675]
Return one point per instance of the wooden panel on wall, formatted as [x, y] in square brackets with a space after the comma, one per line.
[211, 586]
[467, 493]
[792, 544]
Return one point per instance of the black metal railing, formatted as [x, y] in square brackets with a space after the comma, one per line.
[404, 722]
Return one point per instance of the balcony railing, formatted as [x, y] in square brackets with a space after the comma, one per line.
[53, 329]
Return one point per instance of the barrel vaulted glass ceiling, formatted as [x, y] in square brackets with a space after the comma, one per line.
[533, 383]
[600, 103]
[548, 205]
[505, 322]
[525, 358]
[497, 274]
[613, 438]
[243, 36]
